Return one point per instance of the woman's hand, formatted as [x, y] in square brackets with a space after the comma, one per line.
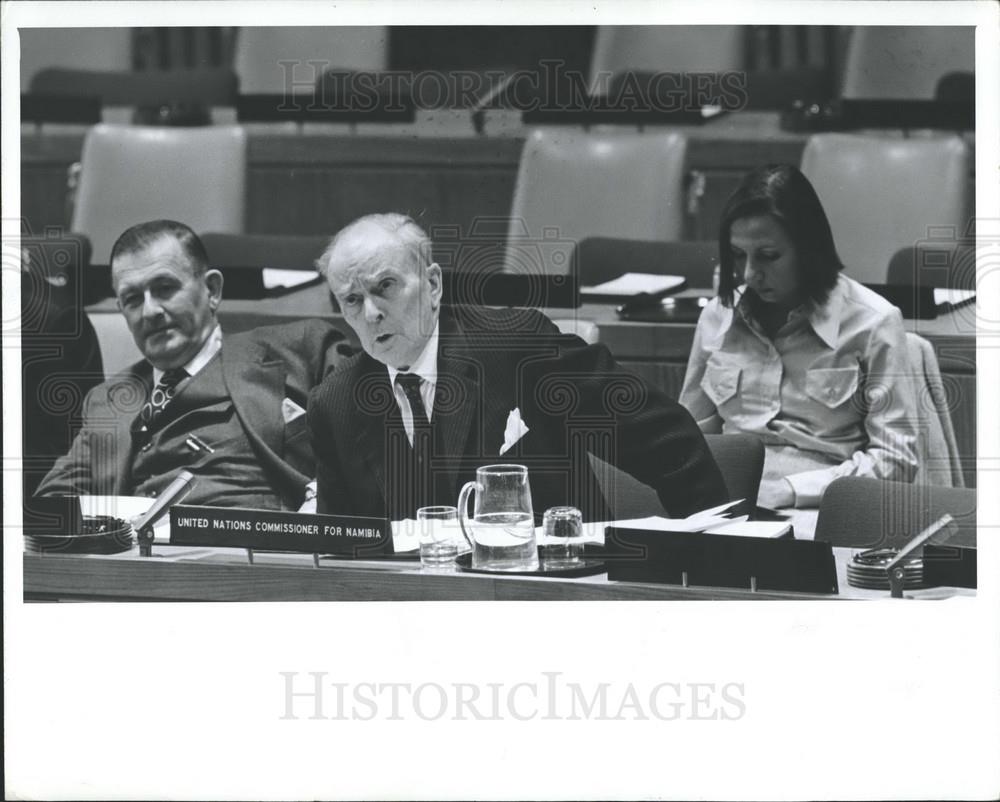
[776, 493]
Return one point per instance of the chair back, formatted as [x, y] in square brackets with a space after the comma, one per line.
[740, 458]
[666, 48]
[572, 184]
[276, 60]
[204, 87]
[904, 62]
[938, 458]
[883, 193]
[599, 259]
[943, 263]
[870, 513]
[118, 349]
[131, 174]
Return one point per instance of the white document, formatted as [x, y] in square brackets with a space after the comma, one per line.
[772, 529]
[593, 531]
[633, 283]
[952, 297]
[274, 278]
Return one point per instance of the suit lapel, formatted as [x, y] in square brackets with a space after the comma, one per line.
[457, 401]
[136, 386]
[256, 385]
[368, 410]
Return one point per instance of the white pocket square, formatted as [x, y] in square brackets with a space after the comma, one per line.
[290, 410]
[515, 430]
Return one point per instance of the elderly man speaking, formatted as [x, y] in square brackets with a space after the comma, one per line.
[228, 408]
[437, 393]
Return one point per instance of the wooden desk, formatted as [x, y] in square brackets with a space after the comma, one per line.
[188, 574]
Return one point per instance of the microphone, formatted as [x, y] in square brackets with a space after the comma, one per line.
[171, 495]
[937, 533]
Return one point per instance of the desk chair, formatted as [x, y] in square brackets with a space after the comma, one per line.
[666, 48]
[904, 62]
[131, 174]
[938, 458]
[259, 53]
[870, 513]
[883, 193]
[944, 263]
[740, 457]
[204, 87]
[599, 259]
[572, 184]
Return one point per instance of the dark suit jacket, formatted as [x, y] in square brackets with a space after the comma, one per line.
[260, 368]
[574, 398]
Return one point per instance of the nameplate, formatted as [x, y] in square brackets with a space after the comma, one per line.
[271, 530]
[720, 561]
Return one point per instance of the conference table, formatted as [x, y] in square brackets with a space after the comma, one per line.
[183, 573]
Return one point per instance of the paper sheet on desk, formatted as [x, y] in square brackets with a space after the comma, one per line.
[630, 284]
[946, 296]
[127, 508]
[274, 278]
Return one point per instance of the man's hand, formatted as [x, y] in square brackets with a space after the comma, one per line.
[775, 494]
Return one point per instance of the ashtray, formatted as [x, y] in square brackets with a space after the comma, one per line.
[102, 534]
[867, 569]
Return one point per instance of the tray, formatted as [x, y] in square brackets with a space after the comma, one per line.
[588, 566]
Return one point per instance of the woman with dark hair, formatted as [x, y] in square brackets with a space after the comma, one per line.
[797, 353]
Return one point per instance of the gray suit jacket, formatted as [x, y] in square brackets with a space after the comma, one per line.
[260, 368]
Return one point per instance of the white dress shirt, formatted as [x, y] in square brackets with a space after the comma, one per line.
[209, 349]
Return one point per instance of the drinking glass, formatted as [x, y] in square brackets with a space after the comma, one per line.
[440, 536]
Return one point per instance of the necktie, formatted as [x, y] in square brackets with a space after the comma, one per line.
[412, 488]
[161, 395]
[410, 382]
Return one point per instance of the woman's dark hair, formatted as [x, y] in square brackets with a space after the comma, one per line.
[782, 192]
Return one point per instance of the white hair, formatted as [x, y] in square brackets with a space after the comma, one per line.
[399, 227]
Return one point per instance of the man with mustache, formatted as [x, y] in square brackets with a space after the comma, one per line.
[229, 409]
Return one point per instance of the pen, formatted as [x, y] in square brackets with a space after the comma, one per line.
[196, 444]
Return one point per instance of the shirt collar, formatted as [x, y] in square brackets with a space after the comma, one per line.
[823, 318]
[425, 365]
[209, 349]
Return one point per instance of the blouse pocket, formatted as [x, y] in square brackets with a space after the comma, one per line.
[832, 386]
[720, 382]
